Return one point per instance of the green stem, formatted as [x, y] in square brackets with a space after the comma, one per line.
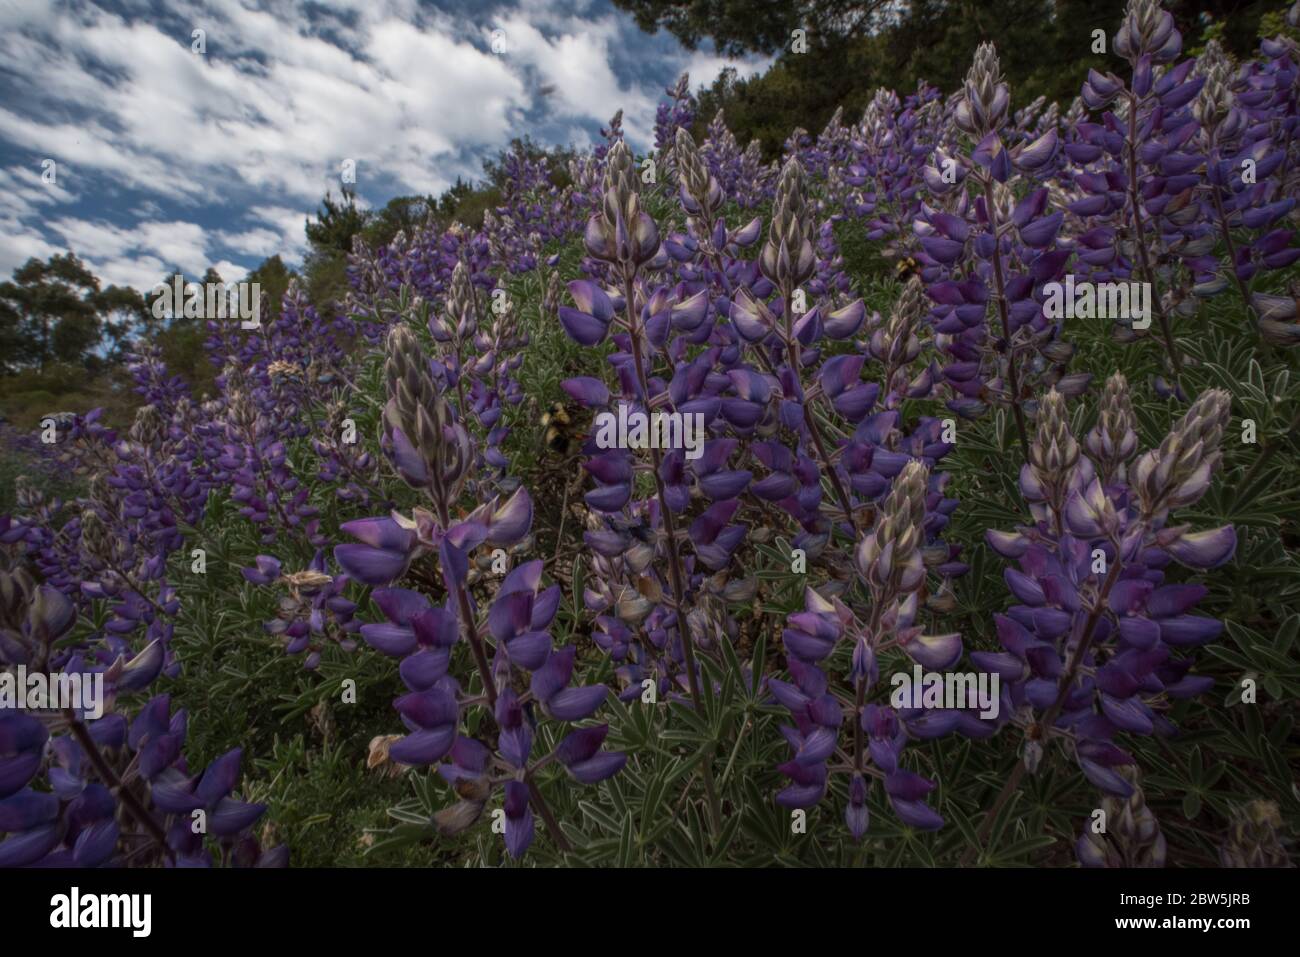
[1148, 274]
[675, 574]
[1004, 315]
[810, 419]
[114, 783]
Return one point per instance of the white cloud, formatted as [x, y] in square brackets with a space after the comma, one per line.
[98, 240]
[288, 225]
[139, 256]
[704, 67]
[577, 64]
[230, 272]
[18, 244]
[139, 272]
[259, 124]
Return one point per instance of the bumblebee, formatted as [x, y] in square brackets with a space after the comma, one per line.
[906, 268]
[561, 433]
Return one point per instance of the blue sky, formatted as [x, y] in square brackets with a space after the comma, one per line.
[168, 159]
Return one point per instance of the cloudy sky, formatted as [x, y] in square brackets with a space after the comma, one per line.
[165, 159]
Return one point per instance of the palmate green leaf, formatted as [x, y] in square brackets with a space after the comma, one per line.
[1017, 852]
[759, 663]
[1286, 634]
[1259, 654]
[962, 823]
[699, 831]
[1234, 658]
[626, 843]
[618, 802]
[633, 726]
[410, 814]
[721, 850]
[1280, 731]
[717, 688]
[697, 726]
[1266, 657]
[402, 836]
[601, 817]
[920, 850]
[652, 802]
[763, 818]
[1275, 761]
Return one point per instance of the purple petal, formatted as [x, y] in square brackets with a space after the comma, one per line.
[581, 327]
[602, 766]
[587, 391]
[916, 814]
[371, 566]
[574, 704]
[1208, 549]
[423, 747]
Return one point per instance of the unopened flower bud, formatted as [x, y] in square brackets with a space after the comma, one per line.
[1054, 452]
[788, 257]
[1132, 836]
[1178, 472]
[433, 450]
[306, 582]
[896, 343]
[96, 541]
[700, 193]
[149, 426]
[1214, 103]
[551, 299]
[1032, 756]
[27, 493]
[879, 113]
[1148, 30]
[461, 311]
[985, 98]
[242, 412]
[889, 557]
[1113, 440]
[16, 589]
[621, 232]
[1252, 839]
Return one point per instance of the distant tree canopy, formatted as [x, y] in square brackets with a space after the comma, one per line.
[336, 222]
[402, 213]
[56, 311]
[757, 26]
[855, 47]
[63, 337]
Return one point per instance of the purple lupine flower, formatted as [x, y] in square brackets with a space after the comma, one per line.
[1093, 647]
[78, 814]
[891, 568]
[314, 609]
[433, 453]
[998, 250]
